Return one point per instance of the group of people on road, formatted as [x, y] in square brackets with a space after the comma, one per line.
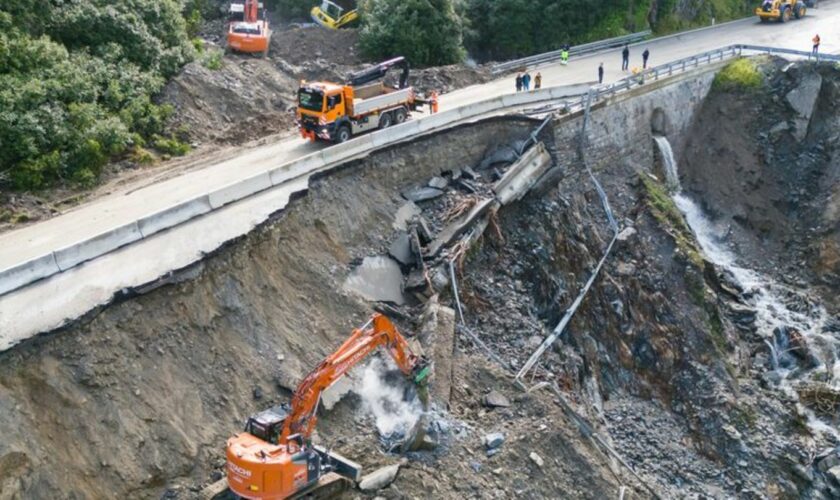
[523, 81]
[625, 62]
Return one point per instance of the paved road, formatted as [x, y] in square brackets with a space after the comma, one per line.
[53, 302]
[123, 207]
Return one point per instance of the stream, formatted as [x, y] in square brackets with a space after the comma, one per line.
[792, 324]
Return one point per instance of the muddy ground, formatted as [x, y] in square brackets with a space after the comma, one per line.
[137, 399]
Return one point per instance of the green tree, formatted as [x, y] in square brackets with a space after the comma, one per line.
[426, 32]
[76, 80]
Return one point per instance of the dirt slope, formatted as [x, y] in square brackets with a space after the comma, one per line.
[770, 175]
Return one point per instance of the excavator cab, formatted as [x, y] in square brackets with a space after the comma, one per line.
[332, 15]
[268, 424]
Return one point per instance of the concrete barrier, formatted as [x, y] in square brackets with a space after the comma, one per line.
[239, 189]
[482, 107]
[348, 149]
[405, 130]
[438, 120]
[563, 91]
[27, 272]
[293, 169]
[65, 258]
[100, 244]
[173, 215]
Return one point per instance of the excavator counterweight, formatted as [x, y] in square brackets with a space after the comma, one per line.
[273, 458]
[248, 31]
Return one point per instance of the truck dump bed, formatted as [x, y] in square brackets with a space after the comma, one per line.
[372, 98]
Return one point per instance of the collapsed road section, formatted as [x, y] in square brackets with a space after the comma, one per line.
[656, 388]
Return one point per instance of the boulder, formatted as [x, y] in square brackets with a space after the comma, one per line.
[400, 249]
[421, 194]
[379, 478]
[495, 399]
[438, 182]
[803, 99]
[494, 440]
[833, 475]
[626, 234]
[828, 462]
[536, 459]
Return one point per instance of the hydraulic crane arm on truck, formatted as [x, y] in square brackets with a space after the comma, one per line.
[273, 458]
[336, 113]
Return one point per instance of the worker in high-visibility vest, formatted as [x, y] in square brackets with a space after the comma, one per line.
[433, 101]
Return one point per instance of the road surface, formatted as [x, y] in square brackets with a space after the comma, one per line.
[124, 207]
[51, 302]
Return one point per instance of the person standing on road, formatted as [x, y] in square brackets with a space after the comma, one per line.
[526, 81]
[815, 50]
[537, 81]
[518, 82]
[564, 55]
[601, 73]
[625, 58]
[645, 56]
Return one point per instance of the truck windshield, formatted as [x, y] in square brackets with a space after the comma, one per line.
[311, 100]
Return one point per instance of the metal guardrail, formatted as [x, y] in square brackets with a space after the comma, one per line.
[577, 50]
[671, 68]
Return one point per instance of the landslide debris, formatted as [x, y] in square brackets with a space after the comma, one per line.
[248, 97]
[766, 164]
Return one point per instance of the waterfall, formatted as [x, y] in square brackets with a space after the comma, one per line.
[672, 180]
[779, 309]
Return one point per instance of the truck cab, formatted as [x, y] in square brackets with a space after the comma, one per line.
[335, 112]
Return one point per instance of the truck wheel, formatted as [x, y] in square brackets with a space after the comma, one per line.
[785, 16]
[400, 116]
[800, 11]
[343, 134]
[385, 120]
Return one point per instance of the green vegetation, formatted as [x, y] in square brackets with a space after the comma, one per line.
[739, 74]
[76, 80]
[212, 59]
[503, 29]
[664, 210]
[426, 32]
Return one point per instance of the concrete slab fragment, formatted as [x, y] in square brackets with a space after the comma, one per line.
[523, 174]
[456, 228]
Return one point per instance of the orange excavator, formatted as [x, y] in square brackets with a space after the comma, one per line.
[247, 32]
[274, 459]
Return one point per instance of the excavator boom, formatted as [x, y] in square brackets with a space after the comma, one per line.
[273, 458]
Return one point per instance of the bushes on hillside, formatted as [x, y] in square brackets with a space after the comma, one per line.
[76, 83]
[427, 32]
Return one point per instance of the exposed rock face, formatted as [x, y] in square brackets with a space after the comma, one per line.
[767, 166]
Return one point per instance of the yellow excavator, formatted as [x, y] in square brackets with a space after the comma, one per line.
[331, 15]
[781, 10]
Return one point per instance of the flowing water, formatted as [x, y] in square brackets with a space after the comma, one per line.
[781, 312]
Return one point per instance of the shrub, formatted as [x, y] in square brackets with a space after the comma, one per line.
[426, 32]
[76, 80]
[739, 74]
[171, 146]
[212, 59]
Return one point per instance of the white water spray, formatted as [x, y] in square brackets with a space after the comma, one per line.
[776, 305]
[386, 401]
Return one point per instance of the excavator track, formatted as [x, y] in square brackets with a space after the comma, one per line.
[330, 485]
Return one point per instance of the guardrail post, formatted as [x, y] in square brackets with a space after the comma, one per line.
[683, 65]
[670, 69]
